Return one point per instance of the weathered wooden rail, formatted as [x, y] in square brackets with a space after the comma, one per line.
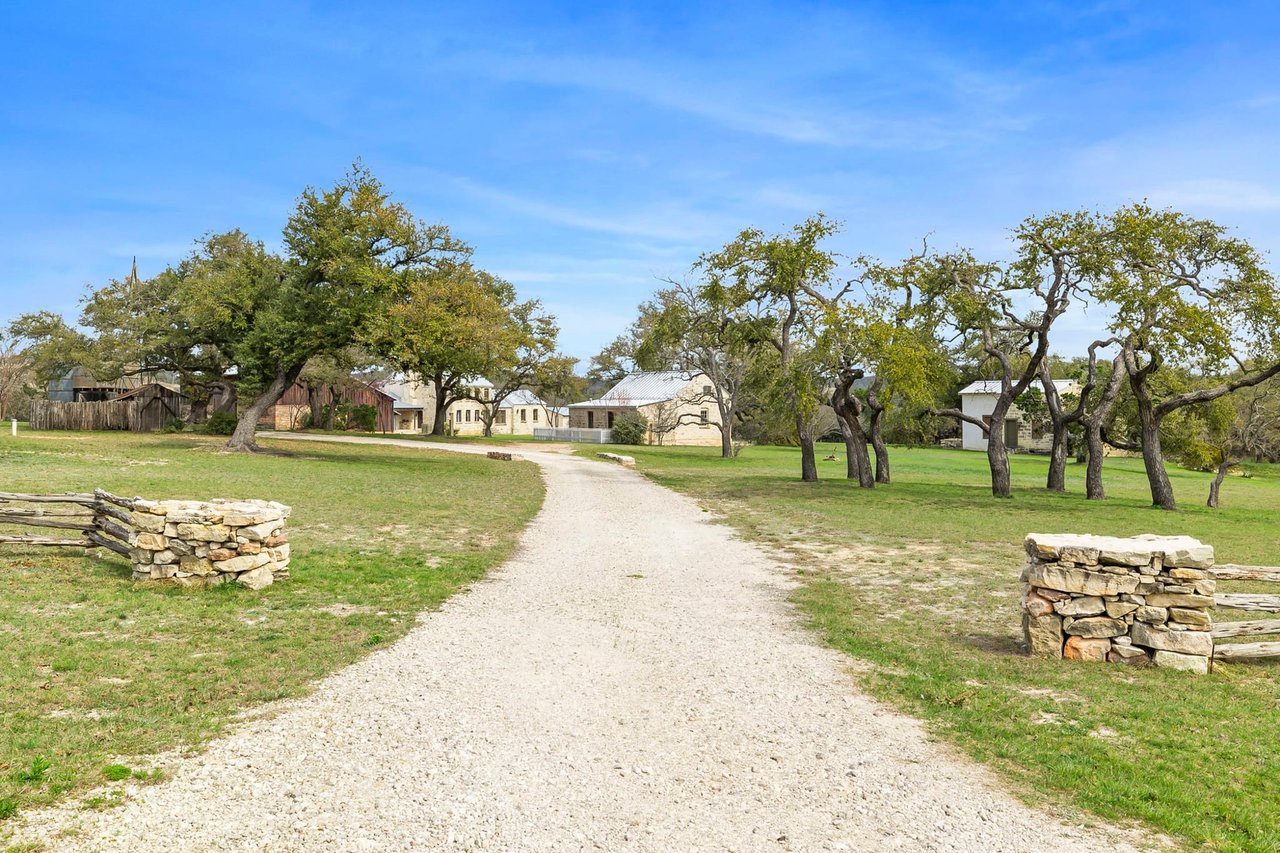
[102, 519]
[1254, 602]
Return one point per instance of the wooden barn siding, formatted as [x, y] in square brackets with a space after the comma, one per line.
[361, 395]
[107, 415]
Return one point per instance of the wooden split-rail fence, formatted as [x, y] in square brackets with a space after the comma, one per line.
[1255, 602]
[98, 520]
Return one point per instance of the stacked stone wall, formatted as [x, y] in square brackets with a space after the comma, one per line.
[222, 541]
[1141, 600]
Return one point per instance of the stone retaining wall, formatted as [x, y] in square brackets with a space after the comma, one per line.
[222, 541]
[1142, 600]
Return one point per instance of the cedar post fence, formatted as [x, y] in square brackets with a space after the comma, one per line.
[1251, 602]
[99, 519]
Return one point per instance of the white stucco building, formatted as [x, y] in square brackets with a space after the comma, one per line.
[978, 400]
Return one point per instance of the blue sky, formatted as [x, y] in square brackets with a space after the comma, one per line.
[585, 149]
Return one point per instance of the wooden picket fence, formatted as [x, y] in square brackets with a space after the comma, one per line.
[103, 415]
[99, 520]
[1255, 602]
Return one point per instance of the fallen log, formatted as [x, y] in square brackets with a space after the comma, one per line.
[1247, 601]
[1232, 572]
[1246, 651]
[1246, 628]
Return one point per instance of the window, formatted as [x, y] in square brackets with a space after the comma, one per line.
[611, 420]
[702, 417]
[707, 390]
[591, 420]
[501, 417]
[535, 416]
[467, 417]
[457, 416]
[524, 415]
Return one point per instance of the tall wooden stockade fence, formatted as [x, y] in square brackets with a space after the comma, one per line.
[1269, 603]
[99, 520]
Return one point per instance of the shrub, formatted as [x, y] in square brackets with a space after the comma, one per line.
[630, 428]
[173, 425]
[221, 423]
[363, 417]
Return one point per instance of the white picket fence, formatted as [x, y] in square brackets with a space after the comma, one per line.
[587, 436]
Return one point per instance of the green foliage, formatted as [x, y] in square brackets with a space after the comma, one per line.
[362, 417]
[220, 423]
[173, 425]
[116, 772]
[35, 773]
[630, 428]
[8, 807]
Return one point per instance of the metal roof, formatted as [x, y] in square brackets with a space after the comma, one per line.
[521, 397]
[642, 389]
[993, 386]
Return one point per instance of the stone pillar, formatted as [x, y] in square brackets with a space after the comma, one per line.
[1142, 600]
[195, 543]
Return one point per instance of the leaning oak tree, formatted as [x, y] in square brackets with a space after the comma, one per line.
[348, 250]
[1011, 312]
[1187, 296]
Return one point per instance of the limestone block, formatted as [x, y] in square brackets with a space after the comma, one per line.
[1080, 555]
[181, 548]
[1190, 663]
[258, 532]
[1118, 609]
[242, 564]
[164, 558]
[148, 523]
[1189, 617]
[249, 548]
[1084, 648]
[1031, 603]
[1205, 587]
[203, 532]
[1081, 581]
[1154, 615]
[1186, 642]
[1097, 626]
[281, 554]
[1043, 635]
[1187, 574]
[163, 572]
[201, 566]
[256, 578]
[221, 553]
[1166, 599]
[152, 541]
[1085, 605]
[171, 528]
[1130, 655]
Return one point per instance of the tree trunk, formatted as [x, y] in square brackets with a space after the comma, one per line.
[1093, 488]
[726, 431]
[442, 406]
[1216, 486]
[808, 460]
[1057, 481]
[853, 470]
[877, 442]
[998, 452]
[313, 402]
[243, 439]
[1153, 457]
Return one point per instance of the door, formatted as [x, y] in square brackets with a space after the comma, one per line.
[1011, 433]
[591, 420]
[610, 416]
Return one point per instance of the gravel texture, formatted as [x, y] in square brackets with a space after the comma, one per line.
[631, 680]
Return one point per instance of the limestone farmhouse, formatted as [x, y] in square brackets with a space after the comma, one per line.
[978, 400]
[679, 407]
[519, 413]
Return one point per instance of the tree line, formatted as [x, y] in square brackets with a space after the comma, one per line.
[792, 331]
[360, 284]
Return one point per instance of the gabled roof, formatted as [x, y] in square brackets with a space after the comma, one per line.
[992, 386]
[521, 397]
[642, 389]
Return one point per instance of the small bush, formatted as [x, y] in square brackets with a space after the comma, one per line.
[173, 425]
[39, 766]
[221, 423]
[8, 808]
[630, 428]
[363, 417]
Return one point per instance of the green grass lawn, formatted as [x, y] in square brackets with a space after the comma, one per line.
[920, 579]
[100, 672]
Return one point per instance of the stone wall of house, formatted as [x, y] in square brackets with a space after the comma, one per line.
[1141, 600]
[222, 541]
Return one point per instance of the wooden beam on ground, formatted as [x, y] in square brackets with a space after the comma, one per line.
[1246, 628]
[1232, 572]
[1247, 601]
[1246, 651]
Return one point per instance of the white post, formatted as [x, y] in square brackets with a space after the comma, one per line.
[15, 425]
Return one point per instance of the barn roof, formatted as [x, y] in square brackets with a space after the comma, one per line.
[992, 386]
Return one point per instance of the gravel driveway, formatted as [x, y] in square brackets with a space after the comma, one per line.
[632, 679]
